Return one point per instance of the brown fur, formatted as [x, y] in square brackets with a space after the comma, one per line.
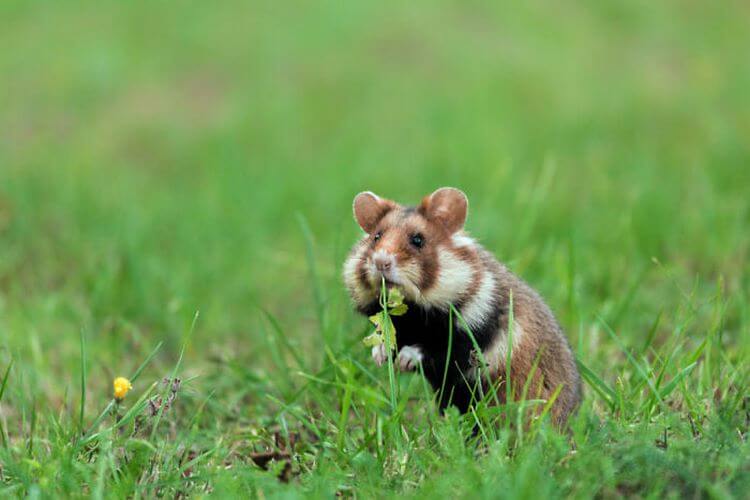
[543, 344]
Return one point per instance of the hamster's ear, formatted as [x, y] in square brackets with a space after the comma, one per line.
[369, 208]
[448, 206]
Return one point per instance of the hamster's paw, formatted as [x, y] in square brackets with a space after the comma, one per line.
[379, 354]
[409, 357]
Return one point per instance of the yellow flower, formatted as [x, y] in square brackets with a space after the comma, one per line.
[122, 386]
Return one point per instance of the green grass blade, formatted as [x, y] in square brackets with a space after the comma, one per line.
[3, 385]
[83, 382]
[480, 354]
[638, 368]
[387, 334]
[112, 402]
[135, 410]
[625, 303]
[313, 270]
[146, 362]
[508, 381]
[175, 370]
[283, 339]
[597, 384]
[667, 389]
[652, 332]
[447, 356]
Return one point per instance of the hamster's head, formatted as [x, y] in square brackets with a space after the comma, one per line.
[422, 250]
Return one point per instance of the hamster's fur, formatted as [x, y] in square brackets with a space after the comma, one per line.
[424, 251]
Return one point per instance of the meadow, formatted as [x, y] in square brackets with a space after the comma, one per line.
[175, 202]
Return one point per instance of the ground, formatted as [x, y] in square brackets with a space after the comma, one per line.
[175, 190]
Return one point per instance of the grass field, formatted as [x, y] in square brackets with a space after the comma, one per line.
[175, 190]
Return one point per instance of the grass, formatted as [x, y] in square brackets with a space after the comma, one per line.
[159, 161]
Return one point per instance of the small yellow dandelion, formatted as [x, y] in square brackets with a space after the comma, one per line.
[122, 386]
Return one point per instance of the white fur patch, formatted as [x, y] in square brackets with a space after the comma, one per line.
[480, 305]
[454, 277]
[407, 276]
[357, 291]
[462, 240]
[496, 354]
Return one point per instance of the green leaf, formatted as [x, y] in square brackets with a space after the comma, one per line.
[373, 339]
[395, 297]
[393, 305]
[377, 320]
[399, 310]
[390, 330]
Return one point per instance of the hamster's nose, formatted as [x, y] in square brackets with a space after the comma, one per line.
[383, 262]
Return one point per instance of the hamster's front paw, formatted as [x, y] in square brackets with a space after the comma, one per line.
[409, 357]
[379, 354]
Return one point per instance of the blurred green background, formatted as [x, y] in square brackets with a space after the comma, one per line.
[155, 156]
[159, 158]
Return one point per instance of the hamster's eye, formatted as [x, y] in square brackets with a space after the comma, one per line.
[417, 240]
[377, 235]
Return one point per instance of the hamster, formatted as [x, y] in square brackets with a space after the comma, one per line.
[424, 251]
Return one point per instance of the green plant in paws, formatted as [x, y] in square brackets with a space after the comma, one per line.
[392, 304]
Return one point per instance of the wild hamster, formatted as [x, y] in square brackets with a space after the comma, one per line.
[424, 251]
